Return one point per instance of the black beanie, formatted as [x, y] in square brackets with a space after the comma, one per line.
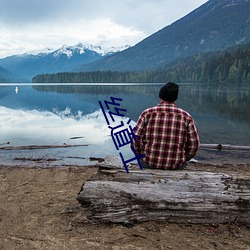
[169, 92]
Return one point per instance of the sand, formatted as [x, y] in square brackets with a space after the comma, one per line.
[39, 210]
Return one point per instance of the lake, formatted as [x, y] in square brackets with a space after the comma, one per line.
[71, 114]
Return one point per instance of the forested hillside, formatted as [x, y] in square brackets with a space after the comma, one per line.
[214, 26]
[231, 66]
[7, 76]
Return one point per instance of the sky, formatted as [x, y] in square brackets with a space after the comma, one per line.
[32, 25]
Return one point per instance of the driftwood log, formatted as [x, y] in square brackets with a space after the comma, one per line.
[112, 195]
[224, 147]
[29, 147]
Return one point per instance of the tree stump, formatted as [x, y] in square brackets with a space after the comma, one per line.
[114, 196]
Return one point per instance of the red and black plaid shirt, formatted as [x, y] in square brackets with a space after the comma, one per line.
[167, 135]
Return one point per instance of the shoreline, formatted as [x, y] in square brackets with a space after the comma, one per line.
[194, 166]
[39, 210]
[52, 158]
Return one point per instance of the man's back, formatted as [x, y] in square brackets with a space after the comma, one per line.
[167, 135]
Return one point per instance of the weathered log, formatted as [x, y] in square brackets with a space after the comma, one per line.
[37, 160]
[112, 195]
[29, 147]
[224, 147]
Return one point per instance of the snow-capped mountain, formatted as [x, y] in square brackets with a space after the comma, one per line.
[49, 60]
[81, 48]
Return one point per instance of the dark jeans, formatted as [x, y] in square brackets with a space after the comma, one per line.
[145, 165]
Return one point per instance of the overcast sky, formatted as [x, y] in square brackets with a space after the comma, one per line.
[27, 25]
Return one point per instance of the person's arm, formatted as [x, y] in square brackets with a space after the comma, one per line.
[193, 141]
[140, 129]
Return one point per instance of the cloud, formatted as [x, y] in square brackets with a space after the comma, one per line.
[142, 14]
[37, 23]
[38, 36]
[22, 12]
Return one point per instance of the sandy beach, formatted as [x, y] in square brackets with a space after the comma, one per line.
[39, 210]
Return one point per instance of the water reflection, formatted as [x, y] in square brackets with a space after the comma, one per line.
[29, 127]
[230, 102]
[52, 114]
[226, 101]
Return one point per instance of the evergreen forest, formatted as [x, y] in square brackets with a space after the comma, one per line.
[231, 66]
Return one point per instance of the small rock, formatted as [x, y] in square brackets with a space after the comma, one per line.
[128, 224]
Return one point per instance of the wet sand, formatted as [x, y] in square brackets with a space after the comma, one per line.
[39, 210]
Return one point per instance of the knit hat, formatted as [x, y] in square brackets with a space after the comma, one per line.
[169, 92]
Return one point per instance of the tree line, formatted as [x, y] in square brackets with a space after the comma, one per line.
[231, 66]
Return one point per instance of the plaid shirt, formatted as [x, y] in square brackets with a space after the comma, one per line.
[167, 135]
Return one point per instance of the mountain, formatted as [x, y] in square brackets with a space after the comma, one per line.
[7, 76]
[214, 26]
[63, 59]
[230, 66]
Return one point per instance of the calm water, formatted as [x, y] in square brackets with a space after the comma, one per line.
[71, 114]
